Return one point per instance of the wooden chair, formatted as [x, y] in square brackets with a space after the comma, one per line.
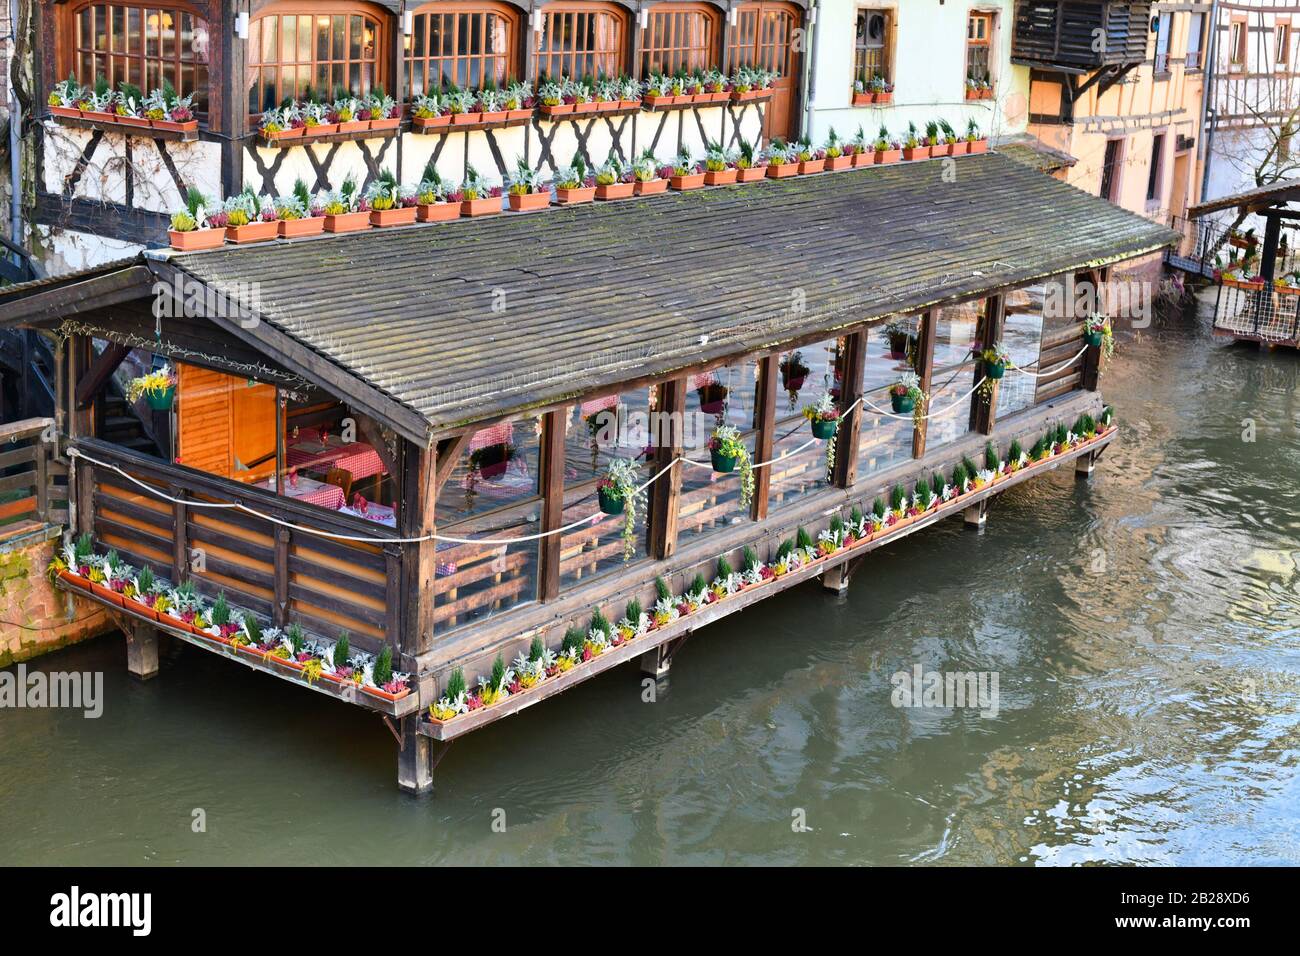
[341, 477]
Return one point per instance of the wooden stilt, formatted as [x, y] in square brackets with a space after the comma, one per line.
[141, 649]
[656, 662]
[977, 514]
[1084, 464]
[415, 760]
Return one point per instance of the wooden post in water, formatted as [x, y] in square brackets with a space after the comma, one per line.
[141, 649]
[414, 758]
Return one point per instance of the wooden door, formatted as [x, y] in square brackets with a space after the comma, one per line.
[765, 35]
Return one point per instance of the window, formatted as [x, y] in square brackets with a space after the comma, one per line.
[979, 37]
[764, 35]
[336, 45]
[1110, 169]
[460, 45]
[871, 45]
[1164, 25]
[1195, 34]
[680, 36]
[141, 44]
[581, 39]
[1155, 174]
[1282, 47]
[1237, 43]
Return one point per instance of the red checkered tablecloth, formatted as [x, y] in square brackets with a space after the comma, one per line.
[358, 458]
[312, 491]
[492, 435]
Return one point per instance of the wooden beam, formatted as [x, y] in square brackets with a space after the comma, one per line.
[1090, 369]
[449, 452]
[924, 368]
[552, 485]
[97, 376]
[419, 559]
[665, 494]
[983, 408]
[374, 435]
[853, 365]
[769, 373]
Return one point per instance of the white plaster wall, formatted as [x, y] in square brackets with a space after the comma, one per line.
[65, 250]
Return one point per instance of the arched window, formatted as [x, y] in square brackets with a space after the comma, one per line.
[764, 36]
[461, 44]
[582, 39]
[323, 45]
[139, 43]
[680, 36]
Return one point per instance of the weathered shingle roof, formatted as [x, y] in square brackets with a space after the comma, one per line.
[1278, 193]
[1032, 152]
[467, 321]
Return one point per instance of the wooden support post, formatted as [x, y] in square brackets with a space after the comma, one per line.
[853, 365]
[421, 468]
[769, 373]
[976, 515]
[665, 494]
[983, 408]
[1091, 367]
[414, 758]
[280, 600]
[552, 485]
[141, 649]
[180, 536]
[924, 368]
[837, 578]
[95, 377]
[1084, 465]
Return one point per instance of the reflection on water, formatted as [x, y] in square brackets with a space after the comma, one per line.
[1144, 628]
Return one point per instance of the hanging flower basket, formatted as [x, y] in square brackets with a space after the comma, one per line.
[902, 403]
[610, 502]
[994, 370]
[824, 428]
[1093, 338]
[713, 398]
[161, 401]
[724, 464]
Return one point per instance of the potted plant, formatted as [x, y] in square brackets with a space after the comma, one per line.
[492, 105]
[453, 701]
[128, 106]
[712, 394]
[887, 150]
[619, 494]
[648, 175]
[297, 214]
[899, 335]
[719, 166]
[390, 203]
[948, 141]
[883, 89]
[526, 189]
[73, 562]
[519, 100]
[810, 160]
[573, 184]
[658, 91]
[462, 105]
[906, 395]
[183, 606]
[861, 152]
[250, 218]
[552, 98]
[581, 93]
[63, 98]
[157, 388]
[836, 152]
[166, 110]
[751, 164]
[782, 160]
[1097, 333]
[612, 180]
[384, 682]
[346, 210]
[824, 417]
[794, 372]
[728, 452]
[913, 147]
[344, 110]
[972, 88]
[428, 112]
[317, 117]
[476, 196]
[863, 95]
[189, 225]
[431, 200]
[380, 110]
[752, 83]
[995, 361]
[975, 143]
[491, 461]
[687, 173]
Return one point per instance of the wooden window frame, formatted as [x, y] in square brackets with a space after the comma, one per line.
[1156, 175]
[1160, 61]
[1237, 52]
[380, 60]
[69, 51]
[425, 14]
[990, 18]
[673, 54]
[886, 47]
[617, 54]
[1190, 66]
[1282, 50]
[740, 46]
[1120, 149]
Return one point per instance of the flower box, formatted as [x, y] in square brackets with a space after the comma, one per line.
[424, 123]
[782, 170]
[106, 593]
[401, 216]
[384, 695]
[649, 187]
[138, 121]
[388, 122]
[689, 181]
[977, 145]
[69, 111]
[347, 221]
[750, 95]
[286, 663]
[629, 104]
[196, 239]
[864, 99]
[189, 126]
[251, 650]
[886, 156]
[572, 197]
[512, 115]
[279, 135]
[839, 162]
[307, 226]
[437, 211]
[809, 166]
[720, 177]
[529, 201]
[496, 116]
[916, 152]
[354, 126]
[654, 100]
[959, 148]
[464, 119]
[863, 157]
[751, 174]
[76, 580]
[137, 607]
[614, 191]
[486, 206]
[252, 232]
[586, 107]
[939, 150]
[560, 109]
[322, 129]
[885, 97]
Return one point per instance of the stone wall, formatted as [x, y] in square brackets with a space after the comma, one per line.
[35, 617]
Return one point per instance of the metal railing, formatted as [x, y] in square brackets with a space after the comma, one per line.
[1260, 312]
[1199, 246]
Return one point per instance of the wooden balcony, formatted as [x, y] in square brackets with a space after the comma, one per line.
[1062, 34]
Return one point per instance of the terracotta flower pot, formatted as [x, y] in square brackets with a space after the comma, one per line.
[438, 211]
[864, 99]
[885, 97]
[512, 115]
[464, 119]
[689, 181]
[322, 129]
[138, 121]
[76, 580]
[388, 122]
[586, 107]
[649, 187]
[560, 109]
[529, 201]
[106, 593]
[197, 239]
[839, 162]
[751, 174]
[401, 216]
[347, 222]
[656, 100]
[355, 126]
[307, 226]
[496, 116]
[958, 148]
[487, 206]
[384, 695]
[886, 156]
[572, 197]
[939, 150]
[809, 166]
[916, 152]
[863, 157]
[69, 111]
[424, 123]
[136, 607]
[977, 145]
[782, 170]
[253, 232]
[614, 191]
[189, 126]
[720, 177]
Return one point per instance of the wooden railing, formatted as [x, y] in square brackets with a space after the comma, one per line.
[33, 485]
[286, 575]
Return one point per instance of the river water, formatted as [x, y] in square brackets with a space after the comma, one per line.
[1143, 628]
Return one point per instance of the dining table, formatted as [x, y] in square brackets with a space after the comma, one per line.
[309, 490]
[357, 458]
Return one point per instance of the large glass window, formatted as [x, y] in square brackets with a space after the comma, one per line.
[324, 46]
[807, 373]
[466, 45]
[954, 373]
[723, 396]
[1195, 35]
[581, 40]
[886, 438]
[680, 36]
[141, 44]
[1022, 333]
[764, 35]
